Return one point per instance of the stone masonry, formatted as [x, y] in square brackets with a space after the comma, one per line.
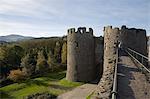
[99, 52]
[135, 39]
[129, 38]
[103, 90]
[81, 62]
[86, 53]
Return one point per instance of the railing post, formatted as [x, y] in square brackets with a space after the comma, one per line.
[135, 57]
[142, 60]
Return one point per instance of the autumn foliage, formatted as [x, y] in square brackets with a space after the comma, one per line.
[17, 75]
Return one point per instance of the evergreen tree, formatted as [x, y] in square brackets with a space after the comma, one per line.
[3, 53]
[27, 64]
[4, 67]
[41, 62]
[15, 54]
[51, 60]
[64, 53]
[57, 52]
[45, 53]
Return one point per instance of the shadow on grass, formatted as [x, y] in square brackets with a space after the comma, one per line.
[43, 81]
[60, 87]
[56, 76]
[5, 95]
[44, 95]
[36, 82]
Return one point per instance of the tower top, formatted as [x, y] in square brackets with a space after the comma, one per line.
[80, 30]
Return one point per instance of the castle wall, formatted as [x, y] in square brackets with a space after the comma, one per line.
[135, 39]
[110, 47]
[99, 51]
[80, 56]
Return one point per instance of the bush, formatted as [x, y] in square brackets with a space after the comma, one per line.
[17, 75]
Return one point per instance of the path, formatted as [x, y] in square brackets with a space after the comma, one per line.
[132, 83]
[79, 93]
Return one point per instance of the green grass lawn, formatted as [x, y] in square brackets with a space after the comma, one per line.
[53, 83]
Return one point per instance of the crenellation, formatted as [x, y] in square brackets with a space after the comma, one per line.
[123, 27]
[116, 28]
[111, 36]
[109, 29]
[90, 57]
[71, 30]
[81, 56]
[90, 30]
[81, 30]
[132, 37]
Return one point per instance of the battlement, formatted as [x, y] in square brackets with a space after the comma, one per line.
[71, 30]
[137, 30]
[80, 30]
[80, 60]
[134, 38]
[133, 30]
[108, 28]
[124, 27]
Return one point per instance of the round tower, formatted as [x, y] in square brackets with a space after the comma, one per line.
[111, 36]
[80, 55]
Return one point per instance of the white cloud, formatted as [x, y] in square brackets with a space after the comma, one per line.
[32, 8]
[55, 16]
[30, 29]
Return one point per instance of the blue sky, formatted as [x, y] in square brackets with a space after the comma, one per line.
[53, 17]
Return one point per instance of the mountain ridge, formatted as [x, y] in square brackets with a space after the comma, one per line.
[14, 38]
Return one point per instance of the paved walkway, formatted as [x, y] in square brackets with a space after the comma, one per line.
[132, 83]
[79, 93]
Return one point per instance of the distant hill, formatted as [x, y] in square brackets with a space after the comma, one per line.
[14, 38]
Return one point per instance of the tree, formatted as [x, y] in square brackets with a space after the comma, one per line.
[15, 54]
[41, 62]
[44, 49]
[28, 65]
[4, 66]
[51, 60]
[57, 52]
[64, 53]
[3, 53]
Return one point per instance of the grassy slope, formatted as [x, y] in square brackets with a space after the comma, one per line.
[53, 83]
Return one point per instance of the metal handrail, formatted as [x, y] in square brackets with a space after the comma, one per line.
[114, 91]
[138, 60]
[138, 53]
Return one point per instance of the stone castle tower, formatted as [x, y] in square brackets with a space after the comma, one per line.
[81, 55]
[86, 52]
[130, 38]
[134, 38]
[111, 36]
